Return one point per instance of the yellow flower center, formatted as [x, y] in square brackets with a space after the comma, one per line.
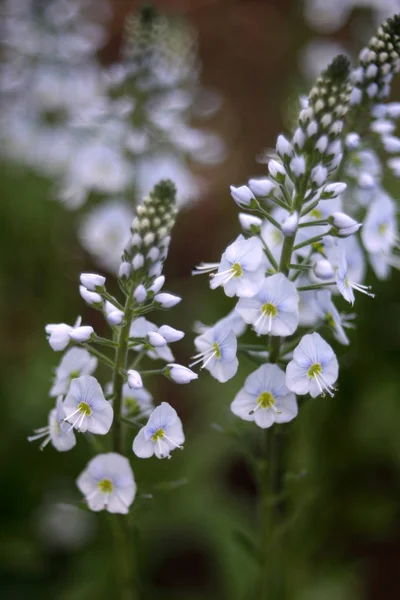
[266, 400]
[382, 228]
[158, 435]
[269, 309]
[329, 320]
[236, 270]
[316, 214]
[217, 350]
[84, 409]
[314, 370]
[106, 486]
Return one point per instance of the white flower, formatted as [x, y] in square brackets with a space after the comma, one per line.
[81, 334]
[91, 281]
[179, 373]
[167, 300]
[346, 286]
[265, 399]
[140, 328]
[274, 310]
[57, 432]
[314, 368]
[242, 195]
[86, 408]
[327, 311]
[134, 379]
[217, 351]
[162, 434]
[261, 187]
[242, 268]
[58, 334]
[92, 298]
[344, 224]
[170, 334]
[74, 363]
[108, 483]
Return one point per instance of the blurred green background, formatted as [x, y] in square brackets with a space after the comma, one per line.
[343, 540]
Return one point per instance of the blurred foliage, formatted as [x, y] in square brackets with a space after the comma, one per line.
[197, 512]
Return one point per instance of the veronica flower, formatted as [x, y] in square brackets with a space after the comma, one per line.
[274, 310]
[241, 270]
[57, 431]
[86, 408]
[140, 328]
[74, 363]
[314, 368]
[346, 286]
[265, 398]
[108, 483]
[217, 352]
[162, 433]
[380, 228]
[327, 311]
[136, 402]
[58, 334]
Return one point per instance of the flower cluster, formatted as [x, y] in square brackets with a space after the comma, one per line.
[299, 249]
[103, 133]
[82, 404]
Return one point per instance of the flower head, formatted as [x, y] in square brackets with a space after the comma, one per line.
[108, 483]
[86, 408]
[275, 309]
[217, 352]
[265, 398]
[314, 368]
[162, 434]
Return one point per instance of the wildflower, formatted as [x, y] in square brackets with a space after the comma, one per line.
[284, 148]
[108, 483]
[314, 368]
[241, 271]
[265, 399]
[157, 284]
[170, 334]
[91, 298]
[217, 352]
[75, 363]
[140, 294]
[58, 334]
[327, 311]
[81, 334]
[344, 224]
[380, 228]
[167, 300]
[134, 379]
[289, 225]
[261, 187]
[140, 328]
[323, 269]
[136, 402]
[179, 373]
[250, 222]
[57, 432]
[92, 281]
[86, 408]
[162, 434]
[332, 190]
[346, 286]
[242, 195]
[155, 339]
[274, 310]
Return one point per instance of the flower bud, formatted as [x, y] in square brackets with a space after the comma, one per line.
[250, 222]
[277, 171]
[391, 144]
[319, 175]
[137, 261]
[58, 335]
[179, 373]
[140, 293]
[332, 190]
[298, 166]
[242, 195]
[289, 225]
[91, 298]
[284, 148]
[156, 339]
[157, 284]
[91, 281]
[366, 181]
[125, 270]
[299, 138]
[115, 317]
[170, 334]
[352, 141]
[344, 224]
[134, 379]
[261, 187]
[81, 334]
[323, 270]
[167, 300]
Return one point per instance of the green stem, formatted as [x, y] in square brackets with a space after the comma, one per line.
[269, 254]
[99, 355]
[316, 286]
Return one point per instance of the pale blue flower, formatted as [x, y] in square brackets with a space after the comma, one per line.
[74, 363]
[327, 311]
[217, 352]
[162, 434]
[57, 431]
[274, 310]
[242, 268]
[140, 328]
[345, 286]
[380, 233]
[314, 368]
[108, 483]
[265, 399]
[86, 408]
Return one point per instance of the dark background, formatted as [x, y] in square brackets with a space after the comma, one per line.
[343, 539]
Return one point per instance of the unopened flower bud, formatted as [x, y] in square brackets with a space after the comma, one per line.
[261, 187]
[134, 379]
[250, 222]
[319, 175]
[91, 298]
[125, 270]
[115, 317]
[81, 334]
[344, 224]
[332, 190]
[242, 195]
[157, 284]
[140, 293]
[167, 300]
[170, 334]
[298, 166]
[179, 373]
[284, 148]
[289, 226]
[324, 270]
[137, 261]
[352, 141]
[91, 281]
[156, 339]
[277, 171]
